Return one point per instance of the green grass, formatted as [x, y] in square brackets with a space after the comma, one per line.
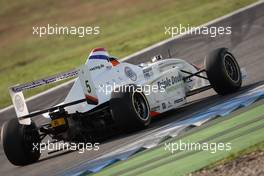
[126, 27]
[242, 131]
[254, 148]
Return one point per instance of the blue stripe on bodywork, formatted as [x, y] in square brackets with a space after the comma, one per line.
[103, 57]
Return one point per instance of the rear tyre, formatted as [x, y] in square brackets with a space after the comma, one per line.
[130, 108]
[18, 142]
[223, 71]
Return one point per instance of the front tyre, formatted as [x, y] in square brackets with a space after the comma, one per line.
[130, 108]
[18, 142]
[223, 71]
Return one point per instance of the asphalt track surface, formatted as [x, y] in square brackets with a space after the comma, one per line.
[247, 44]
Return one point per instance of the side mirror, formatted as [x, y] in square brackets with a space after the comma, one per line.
[157, 58]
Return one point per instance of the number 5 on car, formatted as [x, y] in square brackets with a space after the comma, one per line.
[88, 85]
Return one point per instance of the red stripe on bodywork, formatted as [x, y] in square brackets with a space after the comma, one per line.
[153, 113]
[114, 62]
[91, 99]
[98, 49]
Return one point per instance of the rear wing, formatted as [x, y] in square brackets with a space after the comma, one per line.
[16, 93]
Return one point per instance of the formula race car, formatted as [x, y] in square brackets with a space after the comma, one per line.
[108, 94]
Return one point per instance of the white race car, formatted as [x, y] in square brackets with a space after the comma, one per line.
[112, 95]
